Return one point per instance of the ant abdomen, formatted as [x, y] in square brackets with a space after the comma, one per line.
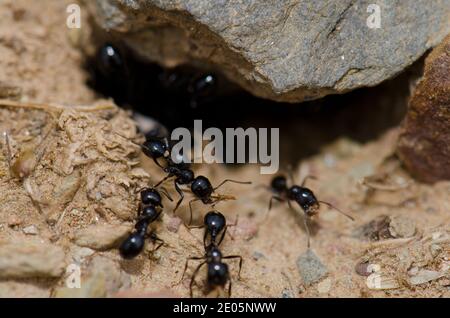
[154, 149]
[218, 274]
[151, 197]
[132, 246]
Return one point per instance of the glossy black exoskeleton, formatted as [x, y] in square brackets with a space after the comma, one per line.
[302, 195]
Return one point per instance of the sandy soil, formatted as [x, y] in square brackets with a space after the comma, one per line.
[41, 60]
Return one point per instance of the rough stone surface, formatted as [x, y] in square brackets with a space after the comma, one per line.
[30, 258]
[103, 278]
[289, 50]
[311, 268]
[424, 144]
[401, 227]
[101, 236]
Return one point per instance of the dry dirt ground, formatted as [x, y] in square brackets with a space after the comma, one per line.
[76, 197]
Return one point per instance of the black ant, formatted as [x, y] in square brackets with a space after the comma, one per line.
[153, 147]
[110, 60]
[218, 272]
[150, 210]
[202, 88]
[304, 197]
[200, 186]
[215, 224]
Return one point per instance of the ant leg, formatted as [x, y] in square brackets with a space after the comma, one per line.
[225, 230]
[190, 209]
[335, 208]
[140, 146]
[195, 258]
[155, 238]
[164, 191]
[158, 246]
[234, 181]
[306, 179]
[181, 194]
[290, 205]
[193, 278]
[223, 235]
[305, 222]
[240, 263]
[226, 227]
[273, 197]
[229, 288]
[157, 163]
[164, 179]
[291, 173]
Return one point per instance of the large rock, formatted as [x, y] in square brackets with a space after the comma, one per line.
[290, 50]
[23, 258]
[101, 236]
[424, 144]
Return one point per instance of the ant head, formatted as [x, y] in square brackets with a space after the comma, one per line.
[185, 176]
[132, 246]
[154, 148]
[149, 213]
[279, 183]
[214, 222]
[202, 187]
[203, 85]
[151, 196]
[217, 274]
[110, 60]
[305, 198]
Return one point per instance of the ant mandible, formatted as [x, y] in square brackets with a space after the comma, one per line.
[218, 273]
[302, 195]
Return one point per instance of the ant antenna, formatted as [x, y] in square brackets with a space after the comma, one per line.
[129, 139]
[308, 232]
[166, 193]
[335, 208]
[306, 179]
[291, 173]
[233, 181]
[140, 146]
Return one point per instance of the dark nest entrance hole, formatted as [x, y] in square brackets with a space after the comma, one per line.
[175, 97]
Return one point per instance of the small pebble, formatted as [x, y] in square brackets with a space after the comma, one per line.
[324, 286]
[30, 230]
[311, 268]
[401, 227]
[425, 276]
[286, 293]
[258, 255]
[102, 278]
[14, 220]
[173, 224]
[79, 254]
[245, 229]
[28, 258]
[363, 269]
